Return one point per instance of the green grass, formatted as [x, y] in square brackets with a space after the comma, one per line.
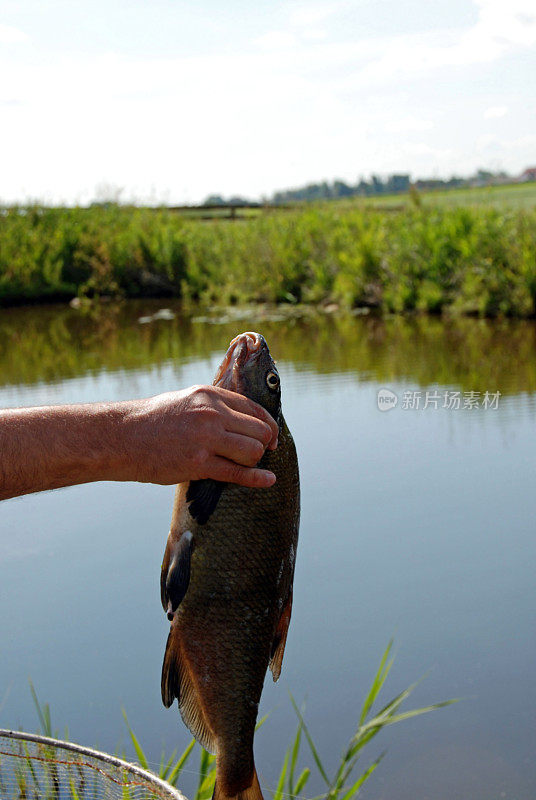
[521, 196]
[517, 195]
[343, 782]
[424, 257]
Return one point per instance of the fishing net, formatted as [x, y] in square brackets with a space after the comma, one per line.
[36, 767]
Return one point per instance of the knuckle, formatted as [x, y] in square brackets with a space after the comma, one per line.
[257, 450]
[266, 433]
[197, 391]
[250, 453]
[205, 399]
[249, 460]
[203, 389]
[255, 479]
[237, 473]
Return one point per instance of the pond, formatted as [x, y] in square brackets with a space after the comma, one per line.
[418, 523]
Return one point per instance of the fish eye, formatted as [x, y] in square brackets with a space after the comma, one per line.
[272, 379]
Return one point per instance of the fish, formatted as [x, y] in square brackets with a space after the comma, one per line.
[226, 586]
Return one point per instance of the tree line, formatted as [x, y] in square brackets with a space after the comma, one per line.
[373, 187]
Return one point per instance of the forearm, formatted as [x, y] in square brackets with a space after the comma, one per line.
[200, 432]
[55, 446]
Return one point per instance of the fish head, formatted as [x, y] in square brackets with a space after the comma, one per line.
[249, 369]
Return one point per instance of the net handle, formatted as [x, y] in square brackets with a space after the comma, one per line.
[149, 777]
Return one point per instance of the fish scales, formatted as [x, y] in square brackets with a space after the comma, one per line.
[233, 618]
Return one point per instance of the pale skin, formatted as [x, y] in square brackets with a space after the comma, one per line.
[200, 432]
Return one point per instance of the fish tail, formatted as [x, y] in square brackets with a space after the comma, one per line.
[251, 792]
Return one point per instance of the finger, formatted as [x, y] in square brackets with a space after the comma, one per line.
[243, 450]
[254, 428]
[221, 469]
[249, 408]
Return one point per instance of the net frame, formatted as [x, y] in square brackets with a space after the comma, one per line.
[154, 783]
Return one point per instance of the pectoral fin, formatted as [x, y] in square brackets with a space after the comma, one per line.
[280, 638]
[175, 581]
[203, 497]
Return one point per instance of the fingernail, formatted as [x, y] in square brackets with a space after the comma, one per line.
[273, 445]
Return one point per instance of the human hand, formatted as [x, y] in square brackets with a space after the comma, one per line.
[200, 432]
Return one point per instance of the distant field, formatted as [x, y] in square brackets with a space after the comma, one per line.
[513, 196]
[516, 195]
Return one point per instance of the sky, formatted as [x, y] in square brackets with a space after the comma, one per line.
[169, 101]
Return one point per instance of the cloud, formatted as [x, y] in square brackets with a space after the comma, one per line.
[276, 40]
[495, 112]
[303, 24]
[314, 34]
[487, 141]
[500, 28]
[296, 107]
[515, 144]
[310, 14]
[506, 23]
[411, 125]
[10, 35]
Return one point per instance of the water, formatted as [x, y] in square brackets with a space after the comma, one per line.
[417, 524]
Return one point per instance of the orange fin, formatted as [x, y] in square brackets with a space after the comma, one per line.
[178, 682]
[253, 792]
[280, 638]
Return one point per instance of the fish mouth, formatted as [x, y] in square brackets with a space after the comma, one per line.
[241, 349]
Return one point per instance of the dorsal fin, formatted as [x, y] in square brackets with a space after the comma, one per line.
[202, 497]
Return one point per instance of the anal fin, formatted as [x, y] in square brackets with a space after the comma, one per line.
[280, 638]
[179, 682]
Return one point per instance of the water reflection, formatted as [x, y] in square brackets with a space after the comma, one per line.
[54, 343]
[414, 522]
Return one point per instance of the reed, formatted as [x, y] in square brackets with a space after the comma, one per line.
[344, 782]
[476, 260]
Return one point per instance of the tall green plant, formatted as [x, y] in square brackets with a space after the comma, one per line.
[418, 257]
[342, 783]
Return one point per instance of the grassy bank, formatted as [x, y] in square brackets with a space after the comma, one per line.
[472, 260]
